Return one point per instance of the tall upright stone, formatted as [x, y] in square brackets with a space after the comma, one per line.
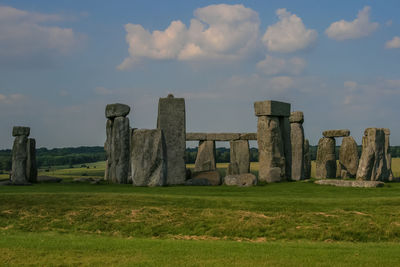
[373, 165]
[326, 158]
[239, 157]
[172, 121]
[205, 159]
[273, 137]
[117, 144]
[20, 155]
[148, 158]
[387, 153]
[297, 141]
[307, 160]
[31, 168]
[348, 158]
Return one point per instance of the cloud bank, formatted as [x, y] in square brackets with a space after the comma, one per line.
[394, 43]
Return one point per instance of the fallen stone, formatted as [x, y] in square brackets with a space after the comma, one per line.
[213, 177]
[205, 159]
[248, 136]
[348, 158]
[87, 180]
[198, 182]
[272, 163]
[21, 131]
[196, 136]
[239, 157]
[117, 110]
[271, 108]
[244, 179]
[347, 183]
[148, 158]
[172, 121]
[336, 133]
[326, 158]
[296, 117]
[5, 182]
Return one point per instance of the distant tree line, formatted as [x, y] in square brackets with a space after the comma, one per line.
[79, 155]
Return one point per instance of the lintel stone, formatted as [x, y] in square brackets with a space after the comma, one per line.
[21, 131]
[248, 136]
[296, 117]
[222, 136]
[336, 133]
[196, 136]
[272, 108]
[117, 110]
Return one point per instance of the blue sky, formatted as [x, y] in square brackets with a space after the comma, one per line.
[61, 62]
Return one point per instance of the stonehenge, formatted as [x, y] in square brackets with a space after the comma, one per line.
[296, 120]
[326, 158]
[205, 160]
[117, 145]
[348, 158]
[307, 160]
[24, 170]
[273, 138]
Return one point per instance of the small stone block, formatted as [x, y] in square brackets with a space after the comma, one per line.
[336, 133]
[117, 110]
[21, 131]
[222, 136]
[196, 136]
[271, 108]
[296, 117]
[248, 136]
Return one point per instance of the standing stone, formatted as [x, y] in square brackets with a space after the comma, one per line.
[387, 153]
[273, 137]
[270, 147]
[19, 160]
[307, 160]
[239, 157]
[148, 158]
[297, 141]
[326, 158]
[205, 159]
[373, 165]
[31, 168]
[117, 145]
[172, 121]
[348, 158]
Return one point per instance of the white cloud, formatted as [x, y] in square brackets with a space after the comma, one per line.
[24, 39]
[289, 34]
[358, 28]
[274, 66]
[11, 99]
[217, 32]
[394, 43]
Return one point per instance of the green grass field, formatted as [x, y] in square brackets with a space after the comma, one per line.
[287, 224]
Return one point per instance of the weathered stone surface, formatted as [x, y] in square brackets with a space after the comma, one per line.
[244, 179]
[326, 158]
[21, 131]
[172, 121]
[348, 183]
[307, 160]
[196, 136]
[336, 133]
[223, 136]
[118, 150]
[148, 158]
[213, 177]
[297, 141]
[19, 159]
[388, 156]
[239, 157]
[296, 116]
[373, 165]
[348, 158]
[287, 146]
[271, 108]
[271, 150]
[117, 110]
[248, 136]
[205, 159]
[31, 168]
